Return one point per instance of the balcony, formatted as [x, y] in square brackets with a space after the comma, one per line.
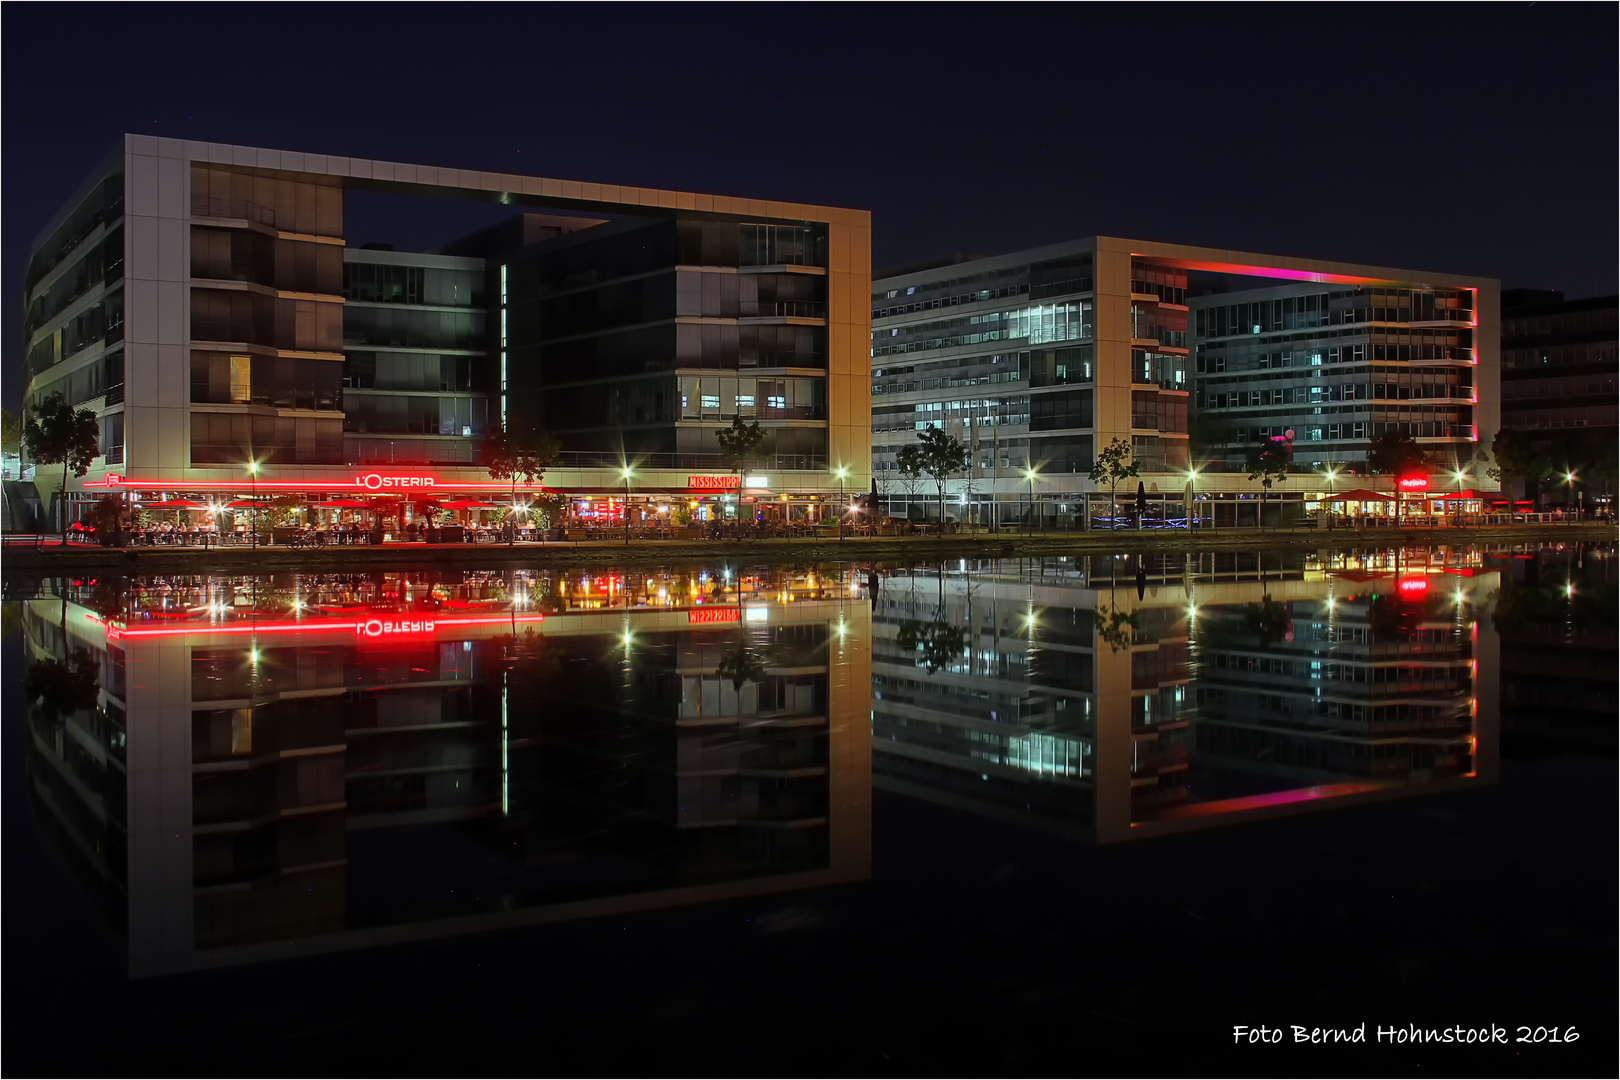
[232, 209]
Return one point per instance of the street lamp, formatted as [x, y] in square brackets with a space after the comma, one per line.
[625, 472]
[1192, 497]
[1569, 479]
[253, 476]
[1029, 474]
[842, 472]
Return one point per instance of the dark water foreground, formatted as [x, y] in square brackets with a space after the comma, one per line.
[1028, 816]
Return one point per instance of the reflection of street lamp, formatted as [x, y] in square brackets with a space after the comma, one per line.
[842, 472]
[1029, 474]
[626, 473]
[253, 475]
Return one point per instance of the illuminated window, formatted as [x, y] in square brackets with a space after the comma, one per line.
[241, 380]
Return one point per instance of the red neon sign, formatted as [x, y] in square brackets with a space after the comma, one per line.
[713, 615]
[362, 483]
[378, 482]
[376, 627]
[1413, 483]
[1412, 586]
[711, 483]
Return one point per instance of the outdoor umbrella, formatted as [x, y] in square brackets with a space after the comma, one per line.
[173, 503]
[355, 504]
[468, 504]
[242, 504]
[1465, 493]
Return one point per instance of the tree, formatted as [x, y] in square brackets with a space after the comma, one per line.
[10, 432]
[1268, 463]
[1395, 454]
[741, 445]
[1111, 466]
[909, 461]
[521, 454]
[939, 454]
[58, 434]
[741, 664]
[1517, 458]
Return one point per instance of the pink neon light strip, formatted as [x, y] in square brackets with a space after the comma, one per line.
[1260, 802]
[312, 625]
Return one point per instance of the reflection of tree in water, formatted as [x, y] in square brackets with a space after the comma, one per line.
[1588, 605]
[59, 688]
[1115, 627]
[1268, 620]
[940, 642]
[741, 664]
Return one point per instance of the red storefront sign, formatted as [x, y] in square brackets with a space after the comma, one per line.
[713, 615]
[1413, 483]
[378, 482]
[711, 483]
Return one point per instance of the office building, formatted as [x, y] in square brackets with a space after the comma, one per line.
[1337, 367]
[1039, 359]
[205, 302]
[1559, 364]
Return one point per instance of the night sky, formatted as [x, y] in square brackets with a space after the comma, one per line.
[1464, 138]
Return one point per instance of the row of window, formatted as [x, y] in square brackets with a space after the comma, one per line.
[1038, 324]
[243, 255]
[384, 283]
[103, 263]
[237, 438]
[466, 417]
[282, 382]
[253, 319]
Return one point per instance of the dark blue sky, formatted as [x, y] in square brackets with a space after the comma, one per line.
[1468, 138]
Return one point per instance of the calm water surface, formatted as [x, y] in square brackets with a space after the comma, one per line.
[1017, 816]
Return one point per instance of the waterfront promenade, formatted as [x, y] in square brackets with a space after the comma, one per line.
[48, 554]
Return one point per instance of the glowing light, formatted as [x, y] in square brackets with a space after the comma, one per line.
[253, 655]
[1569, 478]
[628, 640]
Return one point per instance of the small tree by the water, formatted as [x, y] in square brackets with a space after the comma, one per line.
[1112, 465]
[58, 434]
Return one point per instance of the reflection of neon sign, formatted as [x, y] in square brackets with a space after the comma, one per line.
[1412, 586]
[384, 627]
[1413, 483]
[377, 482]
[713, 615]
[374, 627]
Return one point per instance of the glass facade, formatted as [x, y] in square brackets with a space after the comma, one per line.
[1336, 366]
[610, 334]
[418, 358]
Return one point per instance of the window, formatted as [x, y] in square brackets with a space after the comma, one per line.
[711, 401]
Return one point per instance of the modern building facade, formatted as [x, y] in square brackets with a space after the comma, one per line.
[1338, 367]
[1559, 365]
[204, 301]
[1039, 359]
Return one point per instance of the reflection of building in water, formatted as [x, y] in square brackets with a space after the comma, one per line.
[1126, 697]
[326, 773]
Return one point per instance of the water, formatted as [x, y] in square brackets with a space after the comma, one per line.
[1032, 815]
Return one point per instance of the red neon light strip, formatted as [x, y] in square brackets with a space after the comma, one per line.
[307, 485]
[295, 627]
